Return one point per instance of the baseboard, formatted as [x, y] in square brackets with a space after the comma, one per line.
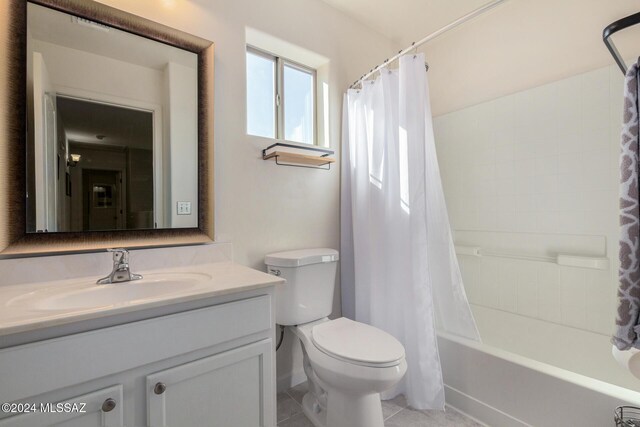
[480, 411]
[292, 379]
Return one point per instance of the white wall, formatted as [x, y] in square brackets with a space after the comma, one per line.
[181, 130]
[77, 70]
[261, 207]
[536, 173]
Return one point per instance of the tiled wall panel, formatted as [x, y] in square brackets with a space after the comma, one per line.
[543, 161]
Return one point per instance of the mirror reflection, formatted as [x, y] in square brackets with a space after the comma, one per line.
[112, 138]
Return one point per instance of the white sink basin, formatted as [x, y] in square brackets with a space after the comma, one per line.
[84, 295]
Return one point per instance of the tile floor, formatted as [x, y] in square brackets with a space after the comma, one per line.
[395, 412]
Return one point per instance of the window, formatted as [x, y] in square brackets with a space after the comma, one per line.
[261, 94]
[280, 98]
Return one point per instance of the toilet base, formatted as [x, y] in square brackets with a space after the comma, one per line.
[313, 411]
[344, 410]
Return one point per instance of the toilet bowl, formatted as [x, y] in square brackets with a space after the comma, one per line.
[351, 363]
[347, 363]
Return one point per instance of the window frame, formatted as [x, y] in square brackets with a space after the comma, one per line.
[278, 99]
[270, 57]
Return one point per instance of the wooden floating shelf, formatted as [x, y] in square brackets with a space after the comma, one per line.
[301, 159]
[316, 159]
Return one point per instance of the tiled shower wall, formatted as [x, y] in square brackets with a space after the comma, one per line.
[539, 162]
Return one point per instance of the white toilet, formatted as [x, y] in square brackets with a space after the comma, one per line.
[347, 363]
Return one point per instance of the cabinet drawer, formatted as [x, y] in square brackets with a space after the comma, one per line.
[90, 404]
[94, 354]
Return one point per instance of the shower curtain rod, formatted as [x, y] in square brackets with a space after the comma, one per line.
[430, 37]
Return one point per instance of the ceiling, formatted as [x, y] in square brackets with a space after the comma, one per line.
[406, 21]
[122, 127]
[58, 28]
[523, 44]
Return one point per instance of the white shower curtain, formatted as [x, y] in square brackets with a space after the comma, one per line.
[396, 239]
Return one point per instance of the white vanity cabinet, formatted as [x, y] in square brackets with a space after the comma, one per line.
[207, 366]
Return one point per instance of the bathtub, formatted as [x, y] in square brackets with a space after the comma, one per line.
[529, 372]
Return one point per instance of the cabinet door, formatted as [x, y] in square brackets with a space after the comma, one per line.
[230, 389]
[102, 408]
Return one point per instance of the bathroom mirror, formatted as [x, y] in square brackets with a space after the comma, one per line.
[107, 130]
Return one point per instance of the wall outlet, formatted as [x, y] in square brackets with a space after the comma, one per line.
[184, 208]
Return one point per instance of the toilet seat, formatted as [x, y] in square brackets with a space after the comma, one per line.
[357, 343]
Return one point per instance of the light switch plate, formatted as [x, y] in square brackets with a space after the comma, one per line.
[184, 208]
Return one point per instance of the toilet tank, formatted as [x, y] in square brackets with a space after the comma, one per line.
[310, 276]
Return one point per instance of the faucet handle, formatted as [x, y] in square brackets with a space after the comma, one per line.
[120, 255]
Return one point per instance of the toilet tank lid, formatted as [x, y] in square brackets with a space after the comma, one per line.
[301, 257]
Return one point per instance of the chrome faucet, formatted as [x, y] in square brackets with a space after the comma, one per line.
[121, 272]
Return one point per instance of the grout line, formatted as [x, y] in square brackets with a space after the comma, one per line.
[293, 398]
[447, 407]
[293, 415]
[389, 418]
[394, 414]
[402, 408]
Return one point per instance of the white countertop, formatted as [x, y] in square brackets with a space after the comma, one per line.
[222, 278]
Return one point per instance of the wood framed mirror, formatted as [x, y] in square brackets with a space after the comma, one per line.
[84, 168]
